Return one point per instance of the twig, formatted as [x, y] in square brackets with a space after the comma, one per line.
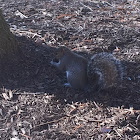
[60, 24]
[64, 15]
[86, 6]
[28, 93]
[91, 120]
[26, 32]
[118, 133]
[96, 105]
[18, 13]
[107, 3]
[77, 127]
[44, 124]
[25, 135]
[137, 119]
[134, 127]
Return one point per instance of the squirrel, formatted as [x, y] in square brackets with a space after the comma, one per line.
[101, 71]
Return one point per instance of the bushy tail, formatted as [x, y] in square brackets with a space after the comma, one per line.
[104, 70]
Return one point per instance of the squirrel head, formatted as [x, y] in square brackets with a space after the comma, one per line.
[60, 52]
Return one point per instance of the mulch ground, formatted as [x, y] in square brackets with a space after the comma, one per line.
[34, 104]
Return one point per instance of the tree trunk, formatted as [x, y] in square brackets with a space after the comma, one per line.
[8, 44]
[9, 52]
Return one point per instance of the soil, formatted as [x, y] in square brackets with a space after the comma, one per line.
[35, 104]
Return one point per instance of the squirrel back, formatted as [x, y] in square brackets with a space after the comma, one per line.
[104, 70]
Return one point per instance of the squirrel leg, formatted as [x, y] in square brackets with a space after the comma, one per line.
[67, 84]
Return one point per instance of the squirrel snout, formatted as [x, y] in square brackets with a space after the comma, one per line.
[51, 62]
[54, 61]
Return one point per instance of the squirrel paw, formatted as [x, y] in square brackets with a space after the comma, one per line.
[67, 85]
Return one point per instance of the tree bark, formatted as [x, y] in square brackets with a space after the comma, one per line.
[8, 43]
[9, 52]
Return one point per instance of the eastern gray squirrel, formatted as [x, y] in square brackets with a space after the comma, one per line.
[102, 70]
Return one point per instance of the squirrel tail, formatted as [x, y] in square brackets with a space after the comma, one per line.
[104, 70]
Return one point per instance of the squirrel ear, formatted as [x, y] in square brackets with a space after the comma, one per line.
[62, 48]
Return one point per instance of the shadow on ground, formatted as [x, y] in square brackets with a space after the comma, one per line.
[33, 73]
